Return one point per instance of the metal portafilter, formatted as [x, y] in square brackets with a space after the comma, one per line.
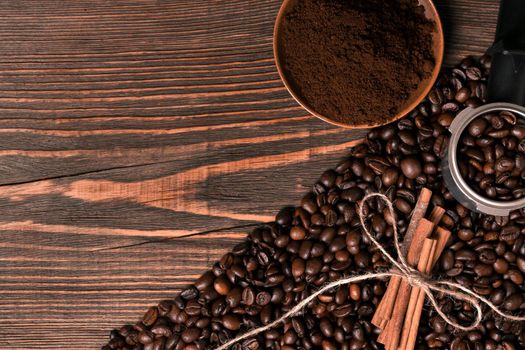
[506, 92]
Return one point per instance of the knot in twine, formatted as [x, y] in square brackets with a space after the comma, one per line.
[399, 268]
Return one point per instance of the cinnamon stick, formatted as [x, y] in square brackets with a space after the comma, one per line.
[436, 215]
[417, 214]
[391, 333]
[411, 326]
[386, 305]
[442, 236]
[417, 296]
[384, 310]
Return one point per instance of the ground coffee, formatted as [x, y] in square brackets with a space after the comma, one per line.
[357, 61]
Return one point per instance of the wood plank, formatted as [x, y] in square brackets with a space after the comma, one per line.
[136, 120]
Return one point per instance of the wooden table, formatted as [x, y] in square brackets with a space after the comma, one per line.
[124, 122]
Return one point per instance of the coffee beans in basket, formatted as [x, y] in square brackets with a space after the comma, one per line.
[321, 240]
[492, 156]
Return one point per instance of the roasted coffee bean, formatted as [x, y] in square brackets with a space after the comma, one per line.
[313, 266]
[298, 267]
[465, 234]
[297, 233]
[462, 95]
[193, 308]
[222, 285]
[447, 260]
[487, 256]
[492, 163]
[189, 293]
[501, 266]
[151, 316]
[411, 167]
[483, 270]
[231, 322]
[263, 298]
[516, 277]
[321, 240]
[452, 107]
[390, 177]
[513, 302]
[403, 206]
[473, 73]
[191, 334]
[248, 296]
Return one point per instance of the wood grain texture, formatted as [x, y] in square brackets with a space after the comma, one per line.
[128, 121]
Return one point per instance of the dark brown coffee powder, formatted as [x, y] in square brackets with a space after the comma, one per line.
[357, 61]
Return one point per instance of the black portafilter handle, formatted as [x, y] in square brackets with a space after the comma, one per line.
[507, 72]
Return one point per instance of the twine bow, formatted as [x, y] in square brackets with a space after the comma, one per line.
[402, 269]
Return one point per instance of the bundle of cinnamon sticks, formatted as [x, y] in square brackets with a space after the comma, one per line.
[399, 311]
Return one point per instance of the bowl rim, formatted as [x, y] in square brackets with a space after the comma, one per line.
[440, 40]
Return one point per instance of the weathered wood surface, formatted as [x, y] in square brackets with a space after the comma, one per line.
[128, 121]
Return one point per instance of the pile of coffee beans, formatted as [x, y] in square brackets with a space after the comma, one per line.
[321, 240]
[491, 155]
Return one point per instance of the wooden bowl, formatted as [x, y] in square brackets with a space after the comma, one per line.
[438, 44]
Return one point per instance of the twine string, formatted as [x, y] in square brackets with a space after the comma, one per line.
[400, 268]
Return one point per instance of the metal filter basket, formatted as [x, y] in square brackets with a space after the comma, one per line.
[506, 91]
[452, 176]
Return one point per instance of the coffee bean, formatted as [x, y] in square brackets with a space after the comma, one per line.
[222, 285]
[513, 302]
[285, 216]
[193, 308]
[518, 131]
[403, 206]
[390, 177]
[496, 155]
[191, 334]
[326, 327]
[440, 145]
[462, 95]
[445, 119]
[450, 107]
[447, 260]
[353, 194]
[343, 311]
[151, 316]
[501, 266]
[488, 256]
[233, 298]
[248, 296]
[297, 233]
[509, 233]
[436, 96]
[505, 164]
[516, 277]
[465, 234]
[204, 281]
[473, 73]
[483, 270]
[263, 298]
[355, 292]
[298, 267]
[189, 293]
[456, 270]
[313, 266]
[466, 255]
[231, 322]
[321, 240]
[520, 262]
